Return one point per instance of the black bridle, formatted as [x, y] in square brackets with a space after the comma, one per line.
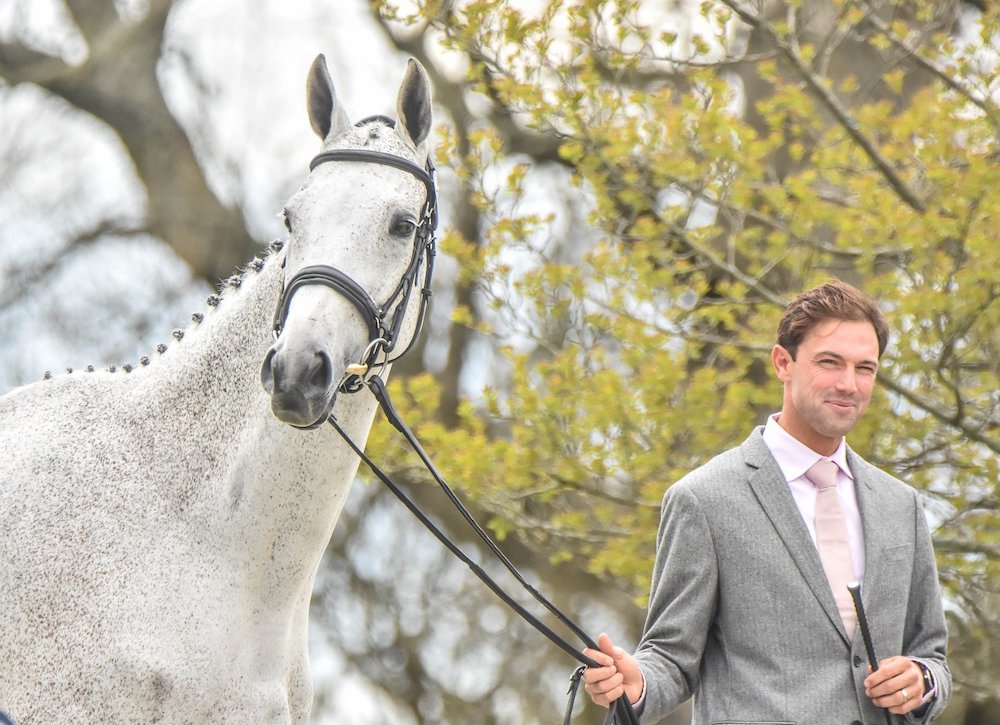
[383, 334]
[383, 329]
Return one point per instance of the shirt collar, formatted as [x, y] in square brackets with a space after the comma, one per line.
[793, 456]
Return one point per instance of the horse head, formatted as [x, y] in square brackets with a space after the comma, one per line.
[360, 234]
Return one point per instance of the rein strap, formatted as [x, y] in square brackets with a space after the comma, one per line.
[621, 711]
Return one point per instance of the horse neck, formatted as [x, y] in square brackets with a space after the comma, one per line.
[214, 359]
[280, 488]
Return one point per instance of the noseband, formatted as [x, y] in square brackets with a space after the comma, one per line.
[383, 329]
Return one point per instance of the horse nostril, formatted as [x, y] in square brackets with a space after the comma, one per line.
[299, 380]
[322, 372]
[267, 372]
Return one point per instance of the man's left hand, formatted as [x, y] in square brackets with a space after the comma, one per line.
[897, 685]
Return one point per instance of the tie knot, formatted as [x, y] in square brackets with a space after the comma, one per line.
[823, 474]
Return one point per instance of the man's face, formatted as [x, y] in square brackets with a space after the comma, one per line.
[828, 385]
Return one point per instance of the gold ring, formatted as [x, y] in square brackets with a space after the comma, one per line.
[905, 694]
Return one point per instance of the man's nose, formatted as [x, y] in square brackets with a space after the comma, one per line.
[848, 380]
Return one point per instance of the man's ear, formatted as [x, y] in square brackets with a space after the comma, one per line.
[782, 361]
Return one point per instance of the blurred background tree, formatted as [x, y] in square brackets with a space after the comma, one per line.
[632, 191]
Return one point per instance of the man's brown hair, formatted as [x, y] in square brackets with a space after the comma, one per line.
[834, 300]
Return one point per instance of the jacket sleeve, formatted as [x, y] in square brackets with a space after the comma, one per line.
[926, 636]
[682, 604]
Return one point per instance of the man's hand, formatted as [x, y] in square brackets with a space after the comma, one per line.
[896, 685]
[617, 674]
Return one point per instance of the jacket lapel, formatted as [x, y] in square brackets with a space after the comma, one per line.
[878, 534]
[769, 486]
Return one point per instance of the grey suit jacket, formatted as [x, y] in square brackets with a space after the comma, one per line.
[741, 616]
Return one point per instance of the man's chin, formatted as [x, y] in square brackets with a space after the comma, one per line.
[837, 428]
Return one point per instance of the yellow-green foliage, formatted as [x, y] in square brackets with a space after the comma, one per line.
[710, 210]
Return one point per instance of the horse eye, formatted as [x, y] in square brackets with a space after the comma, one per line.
[288, 220]
[403, 227]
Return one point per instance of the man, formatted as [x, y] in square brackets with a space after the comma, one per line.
[749, 611]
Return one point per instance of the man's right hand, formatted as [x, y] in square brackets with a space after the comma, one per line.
[618, 673]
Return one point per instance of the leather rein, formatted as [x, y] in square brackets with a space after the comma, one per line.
[383, 332]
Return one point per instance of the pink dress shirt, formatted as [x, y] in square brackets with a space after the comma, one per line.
[794, 459]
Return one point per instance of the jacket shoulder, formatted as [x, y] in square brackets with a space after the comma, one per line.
[724, 469]
[875, 478]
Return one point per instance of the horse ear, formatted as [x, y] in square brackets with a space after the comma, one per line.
[325, 114]
[413, 106]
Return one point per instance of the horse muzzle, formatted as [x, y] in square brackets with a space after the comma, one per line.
[301, 384]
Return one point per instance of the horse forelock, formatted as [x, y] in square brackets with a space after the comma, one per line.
[376, 133]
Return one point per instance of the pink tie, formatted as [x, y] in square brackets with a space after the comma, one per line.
[831, 540]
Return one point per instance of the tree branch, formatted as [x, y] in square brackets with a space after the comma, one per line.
[19, 64]
[118, 85]
[914, 53]
[951, 420]
[540, 146]
[833, 104]
[27, 279]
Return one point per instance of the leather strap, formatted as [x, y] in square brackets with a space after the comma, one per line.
[621, 711]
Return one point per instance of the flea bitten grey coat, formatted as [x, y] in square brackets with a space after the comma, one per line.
[741, 615]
